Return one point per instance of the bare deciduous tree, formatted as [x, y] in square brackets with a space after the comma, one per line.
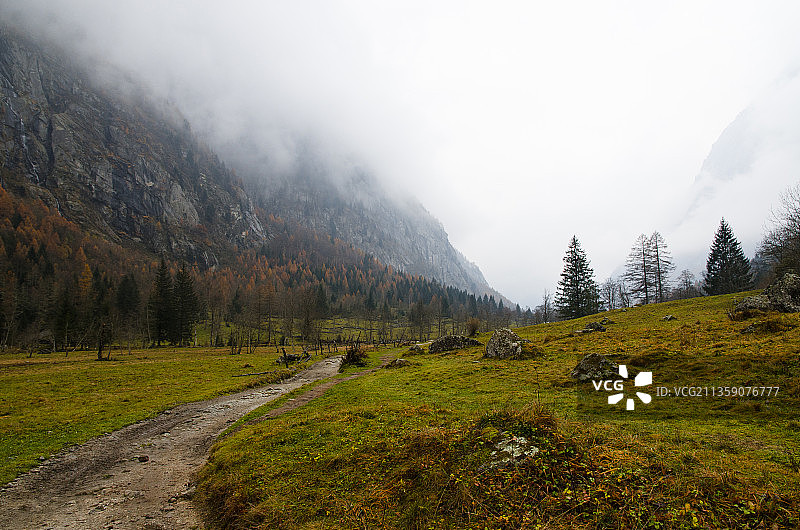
[781, 245]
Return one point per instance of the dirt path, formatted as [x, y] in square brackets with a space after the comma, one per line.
[139, 476]
[309, 396]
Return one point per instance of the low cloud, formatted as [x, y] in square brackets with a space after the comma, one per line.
[517, 124]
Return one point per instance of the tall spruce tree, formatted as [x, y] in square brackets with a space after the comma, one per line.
[577, 293]
[727, 268]
[127, 297]
[160, 310]
[185, 307]
[128, 303]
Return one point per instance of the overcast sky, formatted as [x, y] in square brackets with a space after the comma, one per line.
[517, 124]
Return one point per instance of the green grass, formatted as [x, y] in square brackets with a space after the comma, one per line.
[406, 448]
[48, 401]
[373, 361]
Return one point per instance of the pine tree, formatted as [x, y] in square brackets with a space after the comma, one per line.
[127, 297]
[577, 293]
[727, 268]
[128, 303]
[185, 306]
[160, 305]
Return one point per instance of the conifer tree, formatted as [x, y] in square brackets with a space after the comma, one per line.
[160, 305]
[577, 294]
[127, 297]
[185, 307]
[128, 303]
[727, 268]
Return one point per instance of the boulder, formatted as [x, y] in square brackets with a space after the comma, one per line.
[758, 302]
[782, 295]
[416, 349]
[398, 363]
[504, 344]
[452, 342]
[595, 367]
[667, 318]
[592, 326]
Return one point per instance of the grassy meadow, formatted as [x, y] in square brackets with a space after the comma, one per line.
[50, 401]
[409, 447]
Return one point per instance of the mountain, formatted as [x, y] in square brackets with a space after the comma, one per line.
[109, 158]
[761, 140]
[755, 156]
[111, 163]
[354, 207]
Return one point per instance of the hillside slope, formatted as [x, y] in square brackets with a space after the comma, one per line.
[417, 447]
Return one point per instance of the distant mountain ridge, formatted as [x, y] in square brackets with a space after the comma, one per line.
[755, 157]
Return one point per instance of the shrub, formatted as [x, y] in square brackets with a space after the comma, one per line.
[473, 326]
[355, 355]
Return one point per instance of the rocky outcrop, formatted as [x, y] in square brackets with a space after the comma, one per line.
[782, 295]
[595, 367]
[504, 344]
[452, 342]
[111, 162]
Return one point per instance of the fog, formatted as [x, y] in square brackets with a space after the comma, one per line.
[517, 124]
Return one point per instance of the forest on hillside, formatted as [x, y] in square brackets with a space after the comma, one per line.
[63, 289]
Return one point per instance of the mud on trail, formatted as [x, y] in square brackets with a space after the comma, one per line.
[141, 475]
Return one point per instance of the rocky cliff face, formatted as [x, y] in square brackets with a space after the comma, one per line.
[112, 164]
[355, 208]
[109, 160]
